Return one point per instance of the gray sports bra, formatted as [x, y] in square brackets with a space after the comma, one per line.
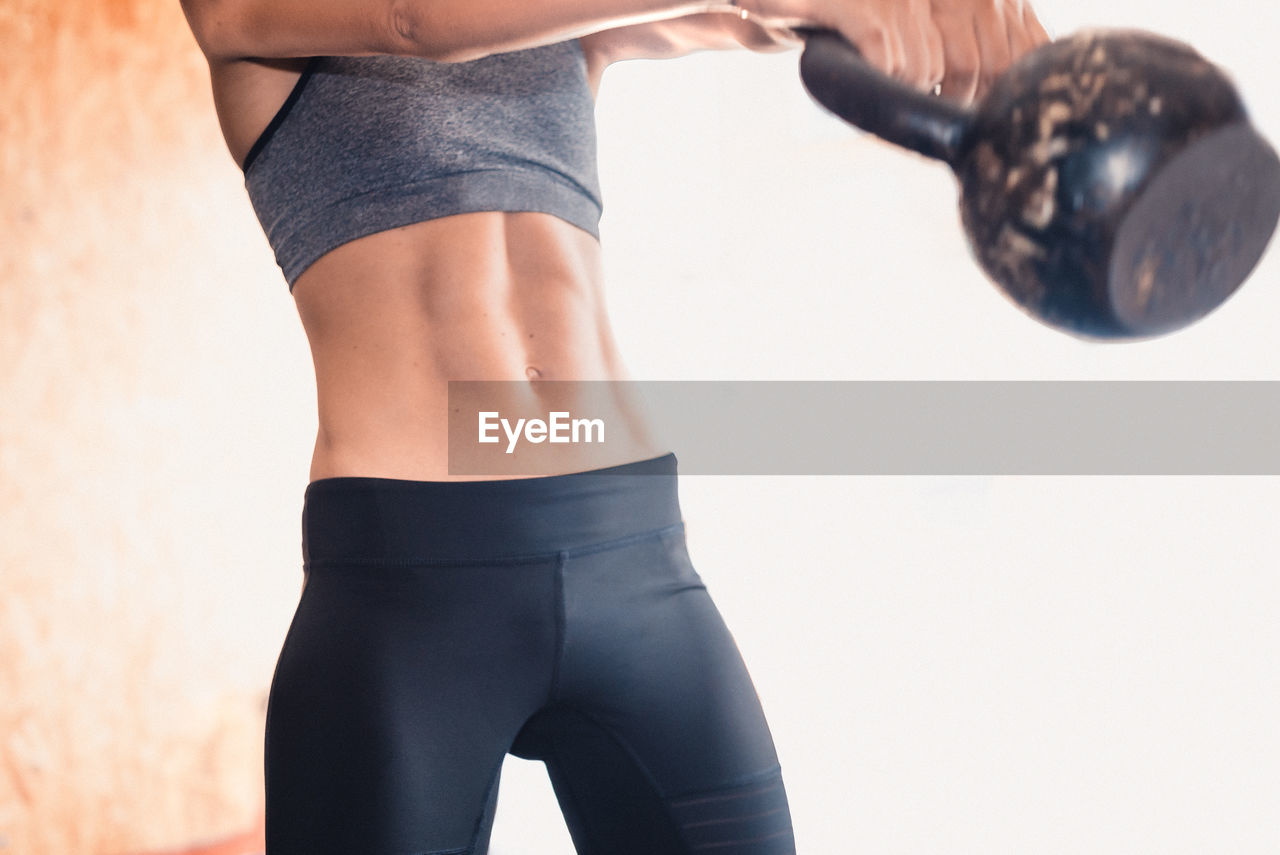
[366, 144]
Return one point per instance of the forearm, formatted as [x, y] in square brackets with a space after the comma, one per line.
[684, 35]
[488, 26]
[443, 30]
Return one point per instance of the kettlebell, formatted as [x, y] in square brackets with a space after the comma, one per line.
[1111, 183]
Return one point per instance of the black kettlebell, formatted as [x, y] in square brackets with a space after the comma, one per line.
[1111, 183]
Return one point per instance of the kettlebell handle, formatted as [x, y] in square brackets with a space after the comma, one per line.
[842, 81]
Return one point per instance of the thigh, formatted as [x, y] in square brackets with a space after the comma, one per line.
[614, 805]
[666, 719]
[395, 697]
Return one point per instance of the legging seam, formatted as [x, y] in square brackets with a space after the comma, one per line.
[696, 796]
[401, 563]
[720, 844]
[572, 787]
[531, 558]
[561, 620]
[706, 823]
[619, 542]
[480, 818]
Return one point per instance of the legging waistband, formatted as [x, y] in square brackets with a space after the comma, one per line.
[362, 520]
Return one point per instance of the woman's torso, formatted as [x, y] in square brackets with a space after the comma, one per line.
[393, 316]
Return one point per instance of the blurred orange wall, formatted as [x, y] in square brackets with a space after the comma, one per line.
[155, 423]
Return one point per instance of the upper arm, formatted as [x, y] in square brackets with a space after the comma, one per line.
[240, 29]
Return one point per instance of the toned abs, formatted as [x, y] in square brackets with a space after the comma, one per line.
[393, 317]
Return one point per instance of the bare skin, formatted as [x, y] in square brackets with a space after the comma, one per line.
[392, 317]
[488, 296]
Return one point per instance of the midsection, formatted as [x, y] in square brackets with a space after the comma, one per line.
[393, 317]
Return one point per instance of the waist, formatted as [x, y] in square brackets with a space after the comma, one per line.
[361, 520]
[392, 318]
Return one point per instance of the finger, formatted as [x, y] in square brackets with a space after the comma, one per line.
[925, 71]
[875, 46]
[1022, 39]
[937, 55]
[961, 58]
[1019, 41]
[915, 49]
[1031, 24]
[785, 37]
[991, 32]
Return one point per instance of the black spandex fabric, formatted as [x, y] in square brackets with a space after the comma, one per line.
[443, 625]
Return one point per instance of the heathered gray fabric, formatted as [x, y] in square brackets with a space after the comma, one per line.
[372, 143]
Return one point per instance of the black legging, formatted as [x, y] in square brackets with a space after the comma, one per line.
[445, 624]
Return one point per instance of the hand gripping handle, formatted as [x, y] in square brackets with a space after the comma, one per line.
[839, 79]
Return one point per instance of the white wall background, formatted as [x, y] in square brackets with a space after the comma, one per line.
[950, 665]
